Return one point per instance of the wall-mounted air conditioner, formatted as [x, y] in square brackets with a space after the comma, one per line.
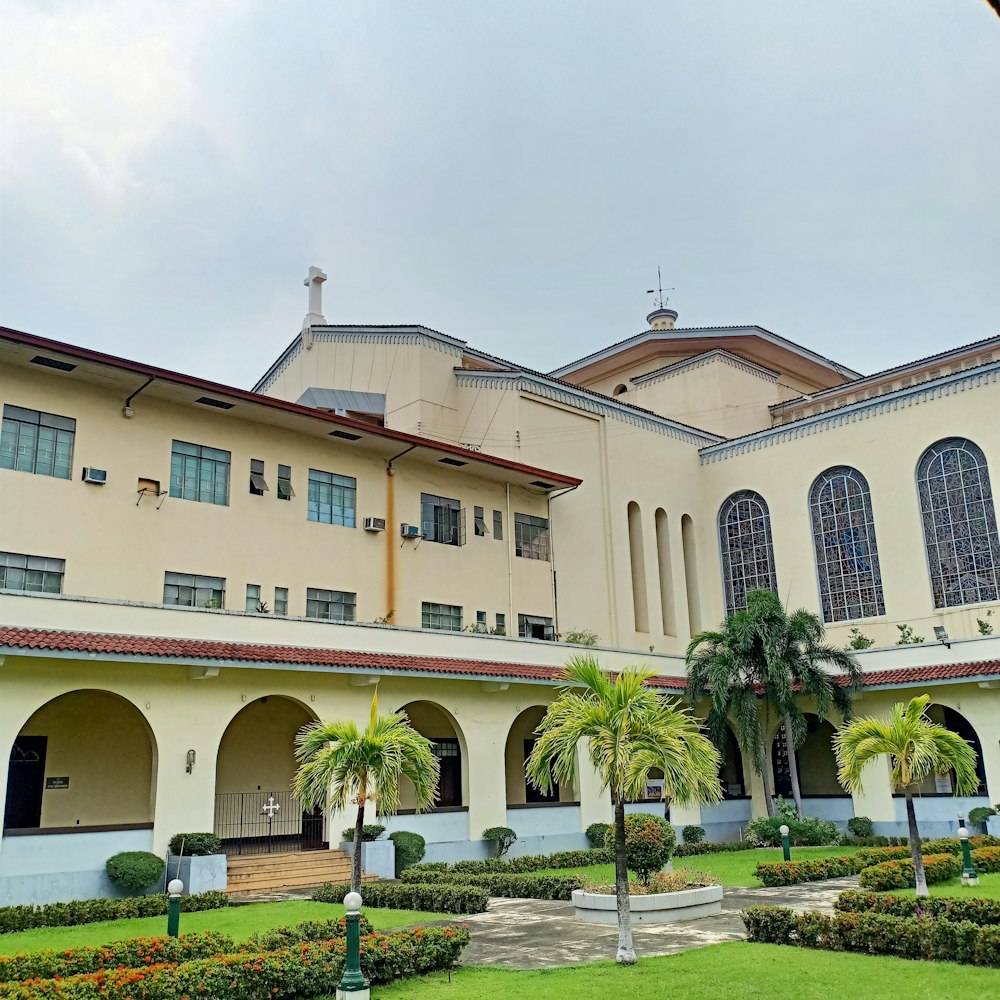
[96, 476]
[410, 530]
[374, 524]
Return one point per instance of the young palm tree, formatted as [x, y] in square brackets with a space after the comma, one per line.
[916, 748]
[629, 730]
[341, 765]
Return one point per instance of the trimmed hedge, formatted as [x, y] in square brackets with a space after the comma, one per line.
[690, 850]
[444, 897]
[952, 845]
[194, 845]
[774, 873]
[765, 831]
[527, 886]
[898, 874]
[88, 911]
[522, 865]
[369, 832]
[410, 848]
[876, 934]
[278, 938]
[311, 969]
[595, 834]
[985, 912]
[873, 842]
[986, 860]
[135, 871]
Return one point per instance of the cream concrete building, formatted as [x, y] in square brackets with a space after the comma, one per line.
[189, 572]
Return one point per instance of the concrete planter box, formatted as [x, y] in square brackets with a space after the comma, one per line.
[378, 857]
[199, 874]
[660, 908]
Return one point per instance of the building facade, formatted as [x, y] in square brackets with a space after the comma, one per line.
[190, 572]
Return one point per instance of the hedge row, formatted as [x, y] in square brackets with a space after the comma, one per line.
[985, 912]
[527, 862]
[898, 874]
[873, 842]
[87, 911]
[689, 850]
[278, 938]
[952, 845]
[311, 969]
[528, 886]
[773, 873]
[876, 934]
[445, 897]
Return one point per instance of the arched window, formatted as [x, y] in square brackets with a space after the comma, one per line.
[850, 583]
[747, 552]
[960, 524]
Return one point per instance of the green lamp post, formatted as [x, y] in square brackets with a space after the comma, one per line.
[786, 847]
[969, 874]
[353, 985]
[175, 887]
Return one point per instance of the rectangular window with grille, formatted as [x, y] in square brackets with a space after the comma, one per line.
[498, 525]
[447, 617]
[34, 573]
[535, 627]
[258, 485]
[199, 473]
[531, 536]
[285, 491]
[501, 623]
[332, 498]
[253, 597]
[281, 600]
[32, 441]
[335, 605]
[441, 520]
[188, 590]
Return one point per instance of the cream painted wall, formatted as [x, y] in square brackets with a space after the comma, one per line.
[524, 728]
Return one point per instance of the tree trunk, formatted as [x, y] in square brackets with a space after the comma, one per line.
[793, 766]
[765, 776]
[356, 861]
[626, 952]
[915, 850]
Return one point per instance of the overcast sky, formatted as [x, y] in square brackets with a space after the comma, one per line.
[510, 173]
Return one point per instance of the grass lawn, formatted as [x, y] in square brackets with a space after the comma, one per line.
[736, 971]
[237, 921]
[988, 888]
[734, 867]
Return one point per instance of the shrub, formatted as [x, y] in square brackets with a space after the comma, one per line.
[596, 833]
[986, 860]
[445, 897]
[520, 865]
[649, 842]
[874, 841]
[410, 849]
[582, 637]
[135, 871]
[369, 832]
[660, 882]
[502, 837]
[195, 845]
[942, 845]
[689, 850]
[861, 826]
[773, 873]
[693, 834]
[808, 832]
[898, 874]
[278, 938]
[979, 816]
[985, 912]
[512, 886]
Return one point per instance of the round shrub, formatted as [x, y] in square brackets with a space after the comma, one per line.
[195, 845]
[410, 849]
[649, 842]
[502, 837]
[597, 834]
[807, 832]
[135, 871]
[979, 816]
[861, 826]
[693, 834]
[369, 832]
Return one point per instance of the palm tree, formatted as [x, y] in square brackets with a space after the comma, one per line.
[783, 657]
[916, 748]
[629, 730]
[341, 765]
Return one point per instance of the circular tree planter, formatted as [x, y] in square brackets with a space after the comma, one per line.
[658, 908]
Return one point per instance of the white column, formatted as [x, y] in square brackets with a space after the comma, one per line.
[595, 801]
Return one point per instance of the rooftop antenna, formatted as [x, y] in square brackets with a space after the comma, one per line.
[660, 300]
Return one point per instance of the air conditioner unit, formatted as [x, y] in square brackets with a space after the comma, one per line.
[374, 524]
[410, 530]
[96, 476]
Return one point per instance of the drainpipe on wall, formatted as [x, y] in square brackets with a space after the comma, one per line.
[510, 566]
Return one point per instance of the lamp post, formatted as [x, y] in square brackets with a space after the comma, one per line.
[175, 887]
[353, 985]
[969, 875]
[786, 847]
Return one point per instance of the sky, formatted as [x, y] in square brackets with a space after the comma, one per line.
[509, 173]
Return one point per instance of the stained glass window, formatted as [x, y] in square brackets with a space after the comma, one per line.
[747, 552]
[850, 582]
[960, 523]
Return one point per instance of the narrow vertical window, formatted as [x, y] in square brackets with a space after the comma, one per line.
[501, 623]
[747, 551]
[285, 491]
[960, 523]
[480, 520]
[850, 582]
[281, 600]
[665, 570]
[258, 487]
[690, 550]
[480, 621]
[498, 525]
[637, 558]
[253, 597]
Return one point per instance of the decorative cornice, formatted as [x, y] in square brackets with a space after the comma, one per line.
[582, 400]
[718, 354]
[852, 413]
[279, 366]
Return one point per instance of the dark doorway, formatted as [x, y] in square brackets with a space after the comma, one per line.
[25, 783]
[532, 794]
[449, 754]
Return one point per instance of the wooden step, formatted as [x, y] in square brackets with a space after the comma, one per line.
[288, 870]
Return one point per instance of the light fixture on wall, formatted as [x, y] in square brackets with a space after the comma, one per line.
[190, 761]
[942, 636]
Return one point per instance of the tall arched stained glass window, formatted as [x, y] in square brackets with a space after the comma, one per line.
[850, 583]
[960, 523]
[747, 553]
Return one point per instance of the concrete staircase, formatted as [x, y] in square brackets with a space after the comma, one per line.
[291, 870]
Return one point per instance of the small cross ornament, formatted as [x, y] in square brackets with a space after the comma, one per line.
[271, 807]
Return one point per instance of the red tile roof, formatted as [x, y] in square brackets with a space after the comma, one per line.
[239, 652]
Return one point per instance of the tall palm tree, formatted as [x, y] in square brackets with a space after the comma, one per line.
[341, 765]
[916, 748]
[784, 657]
[629, 730]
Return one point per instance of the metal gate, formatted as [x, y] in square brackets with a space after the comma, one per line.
[267, 823]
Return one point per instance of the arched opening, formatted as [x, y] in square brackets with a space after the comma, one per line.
[432, 722]
[664, 568]
[85, 759]
[520, 743]
[731, 769]
[815, 758]
[690, 553]
[944, 784]
[255, 810]
[619, 389]
[640, 606]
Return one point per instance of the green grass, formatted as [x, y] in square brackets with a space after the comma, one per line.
[734, 868]
[988, 888]
[237, 921]
[736, 971]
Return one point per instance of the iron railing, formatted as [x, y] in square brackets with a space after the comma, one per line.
[267, 823]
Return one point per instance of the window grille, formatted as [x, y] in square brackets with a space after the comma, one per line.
[531, 537]
[32, 441]
[441, 520]
[332, 498]
[447, 617]
[850, 581]
[35, 573]
[747, 552]
[498, 525]
[188, 590]
[199, 473]
[253, 597]
[335, 605]
[281, 600]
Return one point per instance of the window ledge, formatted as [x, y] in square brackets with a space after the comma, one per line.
[49, 830]
[540, 805]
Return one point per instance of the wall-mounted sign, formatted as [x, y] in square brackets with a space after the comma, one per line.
[56, 783]
[654, 788]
